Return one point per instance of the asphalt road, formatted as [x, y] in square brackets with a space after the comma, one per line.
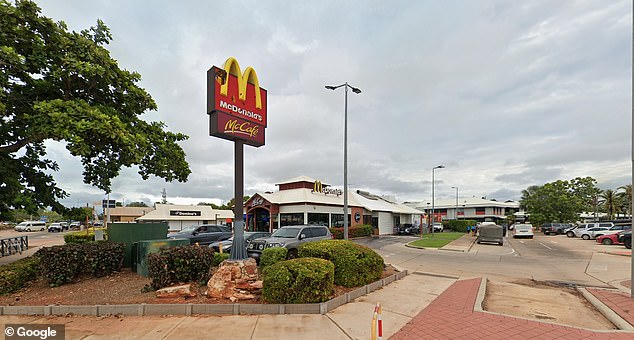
[543, 258]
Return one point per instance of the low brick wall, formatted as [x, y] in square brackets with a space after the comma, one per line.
[214, 309]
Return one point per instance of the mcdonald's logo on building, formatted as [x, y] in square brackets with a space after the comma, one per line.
[318, 187]
[236, 98]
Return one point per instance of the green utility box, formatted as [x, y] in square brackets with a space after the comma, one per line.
[130, 233]
[143, 248]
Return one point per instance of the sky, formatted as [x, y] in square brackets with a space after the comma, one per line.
[504, 94]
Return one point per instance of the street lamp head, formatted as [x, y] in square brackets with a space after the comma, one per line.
[355, 90]
[439, 167]
[331, 87]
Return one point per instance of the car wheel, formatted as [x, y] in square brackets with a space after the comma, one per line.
[570, 234]
[501, 243]
[607, 241]
[292, 254]
[531, 237]
[29, 230]
[628, 245]
[585, 236]
[479, 242]
[546, 233]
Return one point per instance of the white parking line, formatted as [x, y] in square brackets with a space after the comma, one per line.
[546, 246]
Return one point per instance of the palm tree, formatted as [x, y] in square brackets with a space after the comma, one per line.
[626, 196]
[610, 202]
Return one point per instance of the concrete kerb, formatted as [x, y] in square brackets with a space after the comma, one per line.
[193, 309]
[614, 318]
[606, 311]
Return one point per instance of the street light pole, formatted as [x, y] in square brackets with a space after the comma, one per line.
[456, 214]
[433, 184]
[345, 153]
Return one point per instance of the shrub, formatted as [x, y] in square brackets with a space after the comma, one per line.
[63, 264]
[355, 265]
[15, 275]
[458, 225]
[305, 280]
[218, 258]
[180, 264]
[272, 256]
[354, 231]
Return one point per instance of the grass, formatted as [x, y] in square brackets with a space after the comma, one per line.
[436, 240]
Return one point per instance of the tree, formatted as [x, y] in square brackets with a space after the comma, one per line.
[527, 193]
[559, 201]
[212, 205]
[79, 214]
[136, 204]
[231, 203]
[626, 198]
[64, 86]
[610, 202]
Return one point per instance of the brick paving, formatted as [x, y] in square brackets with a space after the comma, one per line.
[451, 316]
[621, 303]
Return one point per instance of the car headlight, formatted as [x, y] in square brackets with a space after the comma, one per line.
[274, 245]
[226, 245]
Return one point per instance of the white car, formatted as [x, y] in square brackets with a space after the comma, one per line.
[523, 230]
[438, 228]
[55, 227]
[591, 233]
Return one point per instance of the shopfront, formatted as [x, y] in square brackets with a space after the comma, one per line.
[307, 201]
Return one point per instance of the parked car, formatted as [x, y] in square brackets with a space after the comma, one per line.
[404, 228]
[554, 228]
[609, 239]
[75, 225]
[30, 226]
[55, 228]
[523, 230]
[438, 227]
[289, 237]
[590, 233]
[626, 239]
[204, 234]
[248, 237]
[570, 232]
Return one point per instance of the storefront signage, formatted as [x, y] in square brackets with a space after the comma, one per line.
[236, 103]
[257, 201]
[319, 187]
[184, 213]
[357, 217]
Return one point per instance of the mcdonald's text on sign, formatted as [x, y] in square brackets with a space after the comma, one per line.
[236, 104]
[319, 187]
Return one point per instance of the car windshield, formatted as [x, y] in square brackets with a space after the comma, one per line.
[286, 232]
[22, 224]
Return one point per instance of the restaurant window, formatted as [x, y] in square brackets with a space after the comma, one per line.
[480, 211]
[291, 219]
[337, 220]
[320, 219]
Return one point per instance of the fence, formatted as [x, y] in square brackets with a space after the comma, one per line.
[13, 245]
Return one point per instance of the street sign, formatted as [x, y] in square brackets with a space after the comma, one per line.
[108, 204]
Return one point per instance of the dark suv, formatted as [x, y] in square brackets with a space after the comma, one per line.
[554, 228]
[204, 234]
[626, 239]
[289, 237]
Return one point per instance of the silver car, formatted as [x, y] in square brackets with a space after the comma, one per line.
[590, 233]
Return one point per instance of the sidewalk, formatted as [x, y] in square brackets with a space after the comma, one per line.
[462, 244]
[420, 306]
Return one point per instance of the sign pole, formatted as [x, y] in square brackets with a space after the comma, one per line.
[238, 248]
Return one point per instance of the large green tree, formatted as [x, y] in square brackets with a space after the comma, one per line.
[560, 201]
[62, 85]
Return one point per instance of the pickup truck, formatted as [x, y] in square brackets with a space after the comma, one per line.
[204, 234]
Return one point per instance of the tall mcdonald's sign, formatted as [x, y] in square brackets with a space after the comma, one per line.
[236, 103]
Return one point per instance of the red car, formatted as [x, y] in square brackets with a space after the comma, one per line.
[609, 239]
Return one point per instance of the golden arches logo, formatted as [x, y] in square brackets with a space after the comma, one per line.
[232, 67]
[318, 187]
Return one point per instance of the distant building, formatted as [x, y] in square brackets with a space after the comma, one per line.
[477, 209]
[128, 214]
[180, 216]
[304, 200]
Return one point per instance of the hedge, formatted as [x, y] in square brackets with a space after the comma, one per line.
[354, 231]
[65, 263]
[355, 265]
[82, 236]
[272, 256]
[304, 280]
[458, 225]
[180, 265]
[14, 276]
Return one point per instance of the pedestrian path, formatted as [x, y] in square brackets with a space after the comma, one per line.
[452, 316]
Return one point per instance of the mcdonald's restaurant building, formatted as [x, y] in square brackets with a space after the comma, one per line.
[303, 200]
